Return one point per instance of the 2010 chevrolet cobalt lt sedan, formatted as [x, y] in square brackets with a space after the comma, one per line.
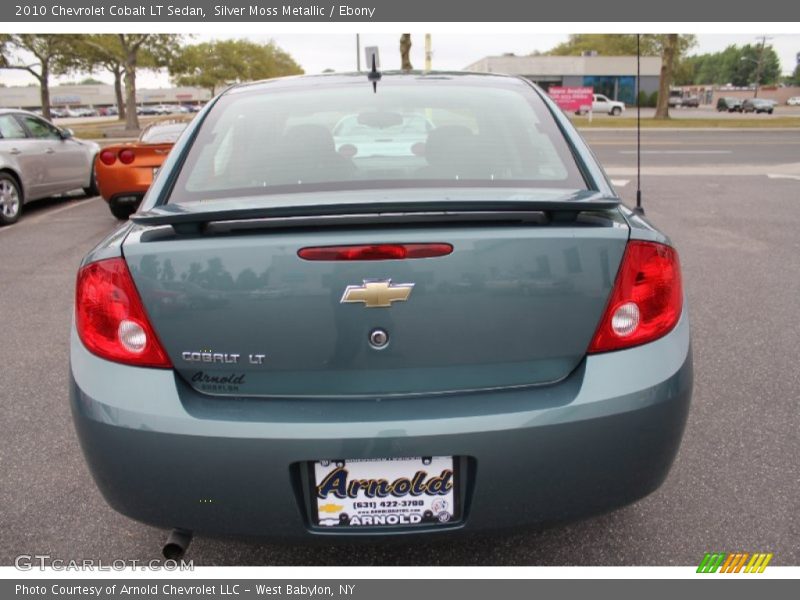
[444, 320]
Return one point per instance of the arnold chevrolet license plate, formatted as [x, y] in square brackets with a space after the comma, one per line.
[391, 492]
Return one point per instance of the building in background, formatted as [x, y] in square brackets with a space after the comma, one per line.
[95, 96]
[612, 76]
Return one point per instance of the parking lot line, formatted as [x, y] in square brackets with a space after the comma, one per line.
[48, 214]
[782, 176]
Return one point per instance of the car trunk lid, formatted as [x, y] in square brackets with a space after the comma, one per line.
[515, 303]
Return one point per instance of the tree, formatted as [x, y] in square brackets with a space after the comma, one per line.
[669, 53]
[614, 44]
[405, 50]
[101, 55]
[602, 44]
[82, 81]
[135, 50]
[53, 54]
[211, 65]
[736, 65]
[794, 78]
[761, 65]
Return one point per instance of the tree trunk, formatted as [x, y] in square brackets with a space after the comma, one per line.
[118, 94]
[405, 49]
[665, 81]
[44, 91]
[131, 118]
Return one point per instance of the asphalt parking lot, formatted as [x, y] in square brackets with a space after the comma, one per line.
[733, 209]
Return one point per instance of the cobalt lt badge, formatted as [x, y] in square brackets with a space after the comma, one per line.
[377, 293]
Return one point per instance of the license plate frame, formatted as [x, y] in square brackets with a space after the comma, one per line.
[391, 511]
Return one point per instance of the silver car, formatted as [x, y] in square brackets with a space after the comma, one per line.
[37, 160]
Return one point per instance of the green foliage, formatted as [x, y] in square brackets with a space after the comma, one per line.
[794, 78]
[647, 100]
[135, 50]
[736, 65]
[614, 44]
[41, 55]
[89, 81]
[5, 40]
[38, 54]
[129, 52]
[99, 52]
[212, 65]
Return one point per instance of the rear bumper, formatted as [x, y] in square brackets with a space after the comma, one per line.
[122, 182]
[602, 438]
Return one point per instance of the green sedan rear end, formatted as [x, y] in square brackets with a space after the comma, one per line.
[451, 327]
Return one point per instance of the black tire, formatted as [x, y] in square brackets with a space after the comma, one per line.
[121, 210]
[10, 199]
[92, 190]
[616, 111]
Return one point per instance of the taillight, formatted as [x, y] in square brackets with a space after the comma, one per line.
[126, 156]
[646, 301]
[375, 252]
[108, 157]
[111, 319]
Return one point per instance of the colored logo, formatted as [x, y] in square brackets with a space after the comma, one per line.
[734, 562]
[330, 508]
[377, 294]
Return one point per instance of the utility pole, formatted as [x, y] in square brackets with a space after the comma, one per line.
[358, 52]
[428, 53]
[760, 62]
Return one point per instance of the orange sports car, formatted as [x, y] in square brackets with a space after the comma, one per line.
[125, 171]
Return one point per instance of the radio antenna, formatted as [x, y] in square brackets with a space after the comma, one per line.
[374, 75]
[638, 208]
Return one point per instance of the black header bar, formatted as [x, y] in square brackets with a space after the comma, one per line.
[444, 11]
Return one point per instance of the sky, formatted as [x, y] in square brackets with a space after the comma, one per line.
[317, 52]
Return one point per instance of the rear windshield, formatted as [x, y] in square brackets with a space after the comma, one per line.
[162, 134]
[411, 133]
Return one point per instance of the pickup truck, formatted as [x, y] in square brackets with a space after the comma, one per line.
[601, 104]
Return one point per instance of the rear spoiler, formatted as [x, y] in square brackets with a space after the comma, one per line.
[194, 217]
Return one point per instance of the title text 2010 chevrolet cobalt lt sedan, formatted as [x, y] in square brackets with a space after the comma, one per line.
[298, 337]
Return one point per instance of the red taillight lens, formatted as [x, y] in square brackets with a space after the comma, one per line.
[375, 252]
[108, 157]
[126, 156]
[646, 301]
[110, 318]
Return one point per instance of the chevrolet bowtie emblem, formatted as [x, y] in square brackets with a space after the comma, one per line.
[377, 294]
